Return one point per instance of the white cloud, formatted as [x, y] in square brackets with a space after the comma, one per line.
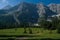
[3, 1]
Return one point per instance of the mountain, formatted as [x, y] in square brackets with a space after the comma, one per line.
[23, 13]
[7, 7]
[44, 11]
[3, 12]
[27, 13]
[58, 8]
[53, 7]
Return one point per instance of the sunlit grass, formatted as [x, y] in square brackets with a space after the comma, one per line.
[35, 31]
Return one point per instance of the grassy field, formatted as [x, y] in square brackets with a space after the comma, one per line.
[36, 32]
[19, 31]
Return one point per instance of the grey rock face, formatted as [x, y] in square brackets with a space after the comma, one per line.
[53, 7]
[58, 8]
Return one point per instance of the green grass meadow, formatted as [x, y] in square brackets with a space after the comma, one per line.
[39, 32]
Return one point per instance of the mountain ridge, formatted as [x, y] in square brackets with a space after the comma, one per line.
[29, 13]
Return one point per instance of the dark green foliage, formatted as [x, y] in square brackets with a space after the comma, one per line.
[25, 30]
[58, 28]
[30, 30]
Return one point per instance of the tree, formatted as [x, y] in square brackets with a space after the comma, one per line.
[58, 29]
[55, 22]
[30, 30]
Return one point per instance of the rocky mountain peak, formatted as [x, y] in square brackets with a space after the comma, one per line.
[53, 7]
[7, 7]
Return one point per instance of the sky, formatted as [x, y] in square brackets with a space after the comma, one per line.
[3, 3]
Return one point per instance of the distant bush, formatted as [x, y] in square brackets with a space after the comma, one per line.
[58, 31]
